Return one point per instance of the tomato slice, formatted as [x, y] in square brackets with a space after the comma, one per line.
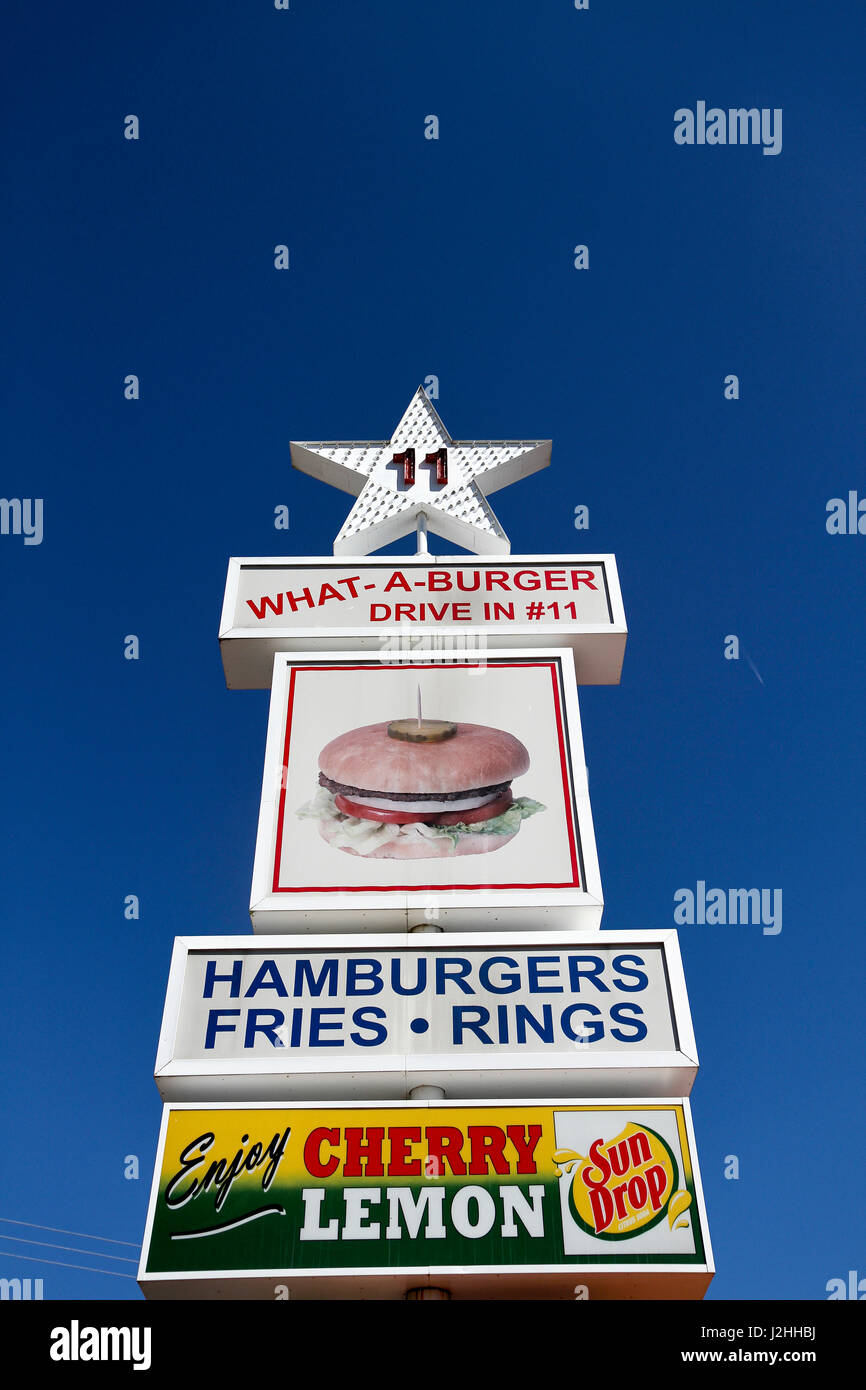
[351, 808]
[473, 817]
[480, 813]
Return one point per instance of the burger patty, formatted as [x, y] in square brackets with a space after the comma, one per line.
[354, 792]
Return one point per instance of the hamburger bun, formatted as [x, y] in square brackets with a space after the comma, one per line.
[476, 756]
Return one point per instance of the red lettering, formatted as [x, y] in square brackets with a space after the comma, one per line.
[461, 612]
[487, 1142]
[265, 603]
[499, 577]
[444, 1144]
[601, 1164]
[601, 1203]
[501, 610]
[402, 1165]
[306, 597]
[579, 577]
[525, 1140]
[637, 1192]
[639, 1147]
[398, 579]
[313, 1152]
[367, 1151]
[621, 1208]
[656, 1181]
[404, 610]
[550, 577]
[619, 1158]
[439, 614]
[468, 588]
[331, 593]
[355, 579]
[374, 617]
[534, 578]
[438, 581]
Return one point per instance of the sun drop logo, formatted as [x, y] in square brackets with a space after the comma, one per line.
[625, 1186]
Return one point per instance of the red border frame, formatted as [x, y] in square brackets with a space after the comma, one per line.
[426, 887]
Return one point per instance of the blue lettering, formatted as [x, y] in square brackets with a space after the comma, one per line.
[639, 975]
[589, 1032]
[315, 983]
[368, 983]
[267, 977]
[535, 974]
[272, 1019]
[213, 1027]
[524, 1015]
[461, 1023]
[576, 972]
[362, 1018]
[620, 1014]
[508, 983]
[318, 1024]
[461, 969]
[211, 978]
[420, 981]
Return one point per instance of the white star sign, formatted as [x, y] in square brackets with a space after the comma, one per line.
[421, 475]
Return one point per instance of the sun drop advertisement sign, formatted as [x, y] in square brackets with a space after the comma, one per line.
[346, 1018]
[526, 1199]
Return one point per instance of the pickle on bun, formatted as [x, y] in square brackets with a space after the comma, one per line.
[420, 789]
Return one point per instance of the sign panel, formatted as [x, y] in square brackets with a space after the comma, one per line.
[338, 1018]
[397, 604]
[375, 818]
[483, 1199]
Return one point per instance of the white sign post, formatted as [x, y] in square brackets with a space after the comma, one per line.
[425, 790]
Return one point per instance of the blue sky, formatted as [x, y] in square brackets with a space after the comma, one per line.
[453, 257]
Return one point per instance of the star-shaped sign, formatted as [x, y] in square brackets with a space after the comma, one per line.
[421, 475]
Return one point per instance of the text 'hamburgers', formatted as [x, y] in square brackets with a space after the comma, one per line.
[420, 789]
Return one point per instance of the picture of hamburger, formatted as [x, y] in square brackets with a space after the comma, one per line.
[420, 789]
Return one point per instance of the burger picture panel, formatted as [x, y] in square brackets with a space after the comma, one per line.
[488, 1199]
[396, 793]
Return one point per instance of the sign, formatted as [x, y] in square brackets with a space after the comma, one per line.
[421, 476]
[372, 819]
[448, 604]
[529, 1199]
[338, 1018]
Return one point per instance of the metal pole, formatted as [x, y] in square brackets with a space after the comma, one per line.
[422, 534]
